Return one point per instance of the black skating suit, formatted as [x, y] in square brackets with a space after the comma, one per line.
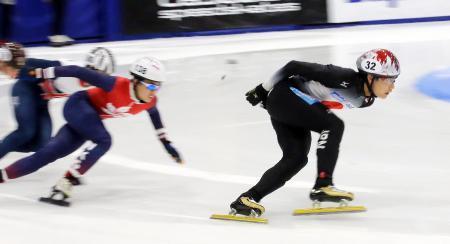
[300, 98]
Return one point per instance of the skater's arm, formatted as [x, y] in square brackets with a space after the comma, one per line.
[98, 79]
[41, 63]
[156, 119]
[34, 63]
[162, 136]
[94, 78]
[329, 75]
[293, 68]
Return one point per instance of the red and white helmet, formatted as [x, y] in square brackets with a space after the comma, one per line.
[149, 68]
[380, 62]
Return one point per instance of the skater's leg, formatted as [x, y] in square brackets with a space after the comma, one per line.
[295, 144]
[328, 150]
[25, 102]
[65, 142]
[44, 131]
[88, 124]
[285, 106]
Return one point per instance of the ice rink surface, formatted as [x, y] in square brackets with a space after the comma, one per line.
[394, 155]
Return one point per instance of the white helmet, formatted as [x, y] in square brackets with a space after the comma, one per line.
[380, 62]
[101, 59]
[13, 54]
[149, 68]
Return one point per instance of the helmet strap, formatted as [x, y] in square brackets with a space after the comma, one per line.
[371, 98]
[370, 85]
[135, 84]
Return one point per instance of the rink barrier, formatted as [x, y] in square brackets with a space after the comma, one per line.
[119, 37]
[436, 14]
[33, 20]
[91, 21]
[164, 16]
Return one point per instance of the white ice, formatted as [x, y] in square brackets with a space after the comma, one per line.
[394, 155]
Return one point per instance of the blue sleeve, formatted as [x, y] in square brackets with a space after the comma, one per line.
[95, 78]
[33, 63]
[156, 118]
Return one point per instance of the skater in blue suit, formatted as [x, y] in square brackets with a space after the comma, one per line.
[30, 97]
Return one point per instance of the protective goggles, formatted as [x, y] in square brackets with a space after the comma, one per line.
[154, 86]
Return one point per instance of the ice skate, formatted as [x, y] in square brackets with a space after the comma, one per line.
[330, 194]
[244, 209]
[59, 193]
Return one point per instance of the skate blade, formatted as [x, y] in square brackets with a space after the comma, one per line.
[330, 210]
[239, 218]
[54, 202]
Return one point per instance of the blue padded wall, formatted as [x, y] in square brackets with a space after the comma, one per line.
[31, 21]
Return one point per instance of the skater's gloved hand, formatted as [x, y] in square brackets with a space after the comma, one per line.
[48, 73]
[171, 150]
[257, 95]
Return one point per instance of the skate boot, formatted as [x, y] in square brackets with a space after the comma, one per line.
[246, 206]
[75, 181]
[330, 194]
[59, 193]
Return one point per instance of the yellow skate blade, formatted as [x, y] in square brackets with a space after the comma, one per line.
[239, 218]
[330, 210]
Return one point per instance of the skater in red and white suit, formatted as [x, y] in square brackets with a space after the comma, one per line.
[84, 111]
[31, 96]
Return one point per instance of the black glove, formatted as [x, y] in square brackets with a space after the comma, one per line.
[257, 95]
[171, 150]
